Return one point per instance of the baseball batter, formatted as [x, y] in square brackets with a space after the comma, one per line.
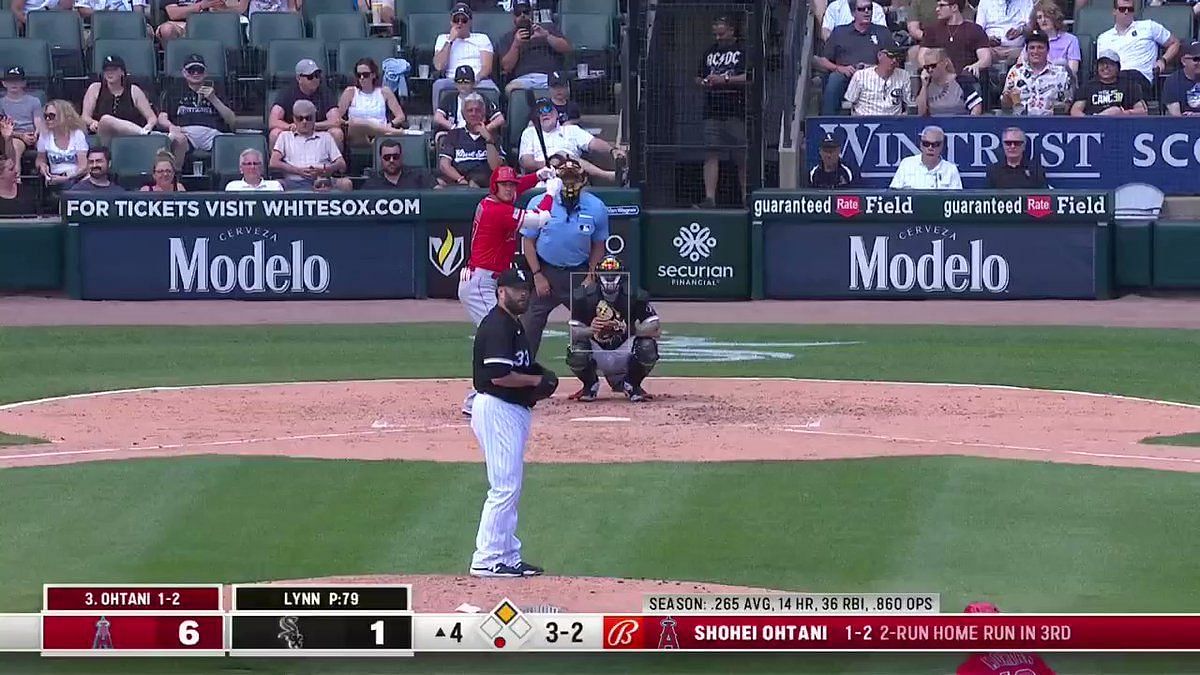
[1000, 663]
[509, 383]
[494, 240]
[614, 330]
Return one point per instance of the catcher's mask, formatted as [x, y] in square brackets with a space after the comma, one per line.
[611, 273]
[573, 179]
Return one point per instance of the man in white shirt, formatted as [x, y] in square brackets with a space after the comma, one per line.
[1137, 43]
[251, 164]
[841, 13]
[567, 139]
[22, 8]
[882, 90]
[927, 170]
[1005, 22]
[87, 8]
[461, 47]
[308, 158]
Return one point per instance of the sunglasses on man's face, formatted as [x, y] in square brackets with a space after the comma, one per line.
[460, 19]
[364, 73]
[863, 9]
[251, 163]
[1014, 144]
[930, 144]
[51, 115]
[312, 76]
[303, 118]
[392, 157]
[545, 110]
[195, 70]
[1126, 10]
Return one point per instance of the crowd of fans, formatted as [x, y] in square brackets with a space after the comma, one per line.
[310, 131]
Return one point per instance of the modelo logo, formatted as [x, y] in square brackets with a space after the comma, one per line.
[931, 272]
[194, 272]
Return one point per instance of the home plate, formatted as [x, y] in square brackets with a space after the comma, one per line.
[600, 418]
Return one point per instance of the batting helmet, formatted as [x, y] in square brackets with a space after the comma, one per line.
[981, 608]
[503, 174]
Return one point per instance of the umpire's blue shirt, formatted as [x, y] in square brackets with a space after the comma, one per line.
[566, 240]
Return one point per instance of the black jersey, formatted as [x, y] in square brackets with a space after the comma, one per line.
[588, 303]
[501, 347]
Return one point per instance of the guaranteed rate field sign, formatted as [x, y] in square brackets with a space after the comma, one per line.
[977, 245]
[256, 246]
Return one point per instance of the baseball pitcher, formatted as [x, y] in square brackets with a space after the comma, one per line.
[614, 330]
[494, 240]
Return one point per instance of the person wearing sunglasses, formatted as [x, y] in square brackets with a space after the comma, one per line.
[251, 164]
[967, 45]
[531, 50]
[310, 86]
[926, 170]
[1181, 91]
[567, 139]
[449, 113]
[1016, 170]
[393, 175]
[62, 150]
[369, 107]
[845, 12]
[1107, 93]
[882, 90]
[461, 47]
[941, 91]
[306, 158]
[1036, 86]
[850, 48]
[192, 111]
[1137, 43]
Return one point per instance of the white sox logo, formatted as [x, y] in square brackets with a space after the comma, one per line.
[621, 633]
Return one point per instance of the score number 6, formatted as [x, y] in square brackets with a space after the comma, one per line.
[189, 633]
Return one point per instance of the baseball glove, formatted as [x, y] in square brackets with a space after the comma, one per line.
[545, 388]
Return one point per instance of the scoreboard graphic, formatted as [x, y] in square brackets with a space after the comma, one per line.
[276, 620]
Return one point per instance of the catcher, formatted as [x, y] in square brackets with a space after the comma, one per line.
[614, 331]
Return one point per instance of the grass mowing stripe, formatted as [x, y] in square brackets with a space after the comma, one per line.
[1191, 440]
[8, 440]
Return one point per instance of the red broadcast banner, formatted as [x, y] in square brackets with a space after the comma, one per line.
[926, 633]
[133, 632]
[133, 598]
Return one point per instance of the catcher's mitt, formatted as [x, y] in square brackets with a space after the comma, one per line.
[545, 388]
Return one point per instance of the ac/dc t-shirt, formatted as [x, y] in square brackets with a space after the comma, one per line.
[723, 101]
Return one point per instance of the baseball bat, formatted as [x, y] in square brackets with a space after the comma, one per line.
[537, 123]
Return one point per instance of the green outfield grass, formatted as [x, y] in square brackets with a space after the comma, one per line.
[1186, 440]
[18, 439]
[1029, 536]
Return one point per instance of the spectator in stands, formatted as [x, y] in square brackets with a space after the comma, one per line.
[178, 12]
[531, 51]
[252, 7]
[87, 8]
[850, 48]
[1015, 170]
[62, 149]
[964, 41]
[1064, 46]
[920, 13]
[882, 90]
[22, 8]
[16, 198]
[941, 91]
[251, 164]
[570, 139]
[309, 87]
[394, 175]
[469, 153]
[449, 113]
[1108, 93]
[23, 110]
[927, 170]
[461, 47]
[305, 155]
[193, 112]
[114, 106]
[844, 12]
[1181, 91]
[1137, 44]
[831, 173]
[1037, 86]
[369, 108]
[97, 178]
[560, 96]
[1005, 22]
[162, 175]
[723, 77]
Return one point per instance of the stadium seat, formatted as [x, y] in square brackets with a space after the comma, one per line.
[32, 55]
[1175, 18]
[179, 49]
[314, 8]
[8, 24]
[350, 51]
[269, 103]
[518, 118]
[1087, 58]
[133, 157]
[414, 147]
[1093, 19]
[118, 26]
[607, 7]
[420, 35]
[494, 25]
[332, 28]
[138, 54]
[227, 149]
[588, 31]
[282, 56]
[268, 26]
[63, 31]
[222, 27]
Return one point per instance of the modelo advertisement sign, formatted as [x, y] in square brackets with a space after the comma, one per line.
[696, 254]
[950, 245]
[243, 247]
[1077, 152]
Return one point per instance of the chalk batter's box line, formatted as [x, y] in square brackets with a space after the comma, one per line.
[219, 587]
[628, 305]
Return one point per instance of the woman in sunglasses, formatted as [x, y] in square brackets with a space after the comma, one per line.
[62, 151]
[369, 108]
[163, 175]
[942, 93]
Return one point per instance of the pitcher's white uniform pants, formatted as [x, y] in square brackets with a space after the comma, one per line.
[502, 429]
[477, 293]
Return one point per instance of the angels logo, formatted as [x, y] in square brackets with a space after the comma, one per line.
[446, 254]
[848, 207]
[1038, 206]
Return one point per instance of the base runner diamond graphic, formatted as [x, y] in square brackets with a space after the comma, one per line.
[505, 626]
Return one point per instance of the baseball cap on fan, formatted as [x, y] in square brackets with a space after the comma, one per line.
[14, 73]
[460, 8]
[306, 67]
[830, 141]
[514, 278]
[1193, 50]
[464, 74]
[1108, 55]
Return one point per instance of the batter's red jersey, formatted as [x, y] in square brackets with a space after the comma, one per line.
[1004, 663]
[494, 231]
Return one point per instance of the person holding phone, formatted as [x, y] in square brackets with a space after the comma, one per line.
[193, 112]
[531, 50]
